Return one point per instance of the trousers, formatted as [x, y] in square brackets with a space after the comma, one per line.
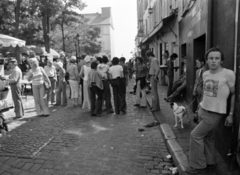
[202, 140]
[96, 105]
[61, 93]
[107, 95]
[155, 97]
[16, 96]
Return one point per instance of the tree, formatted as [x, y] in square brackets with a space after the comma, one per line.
[68, 16]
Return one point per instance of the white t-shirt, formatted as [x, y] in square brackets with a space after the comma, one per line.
[115, 71]
[103, 69]
[216, 89]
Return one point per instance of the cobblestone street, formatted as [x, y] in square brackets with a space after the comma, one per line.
[72, 142]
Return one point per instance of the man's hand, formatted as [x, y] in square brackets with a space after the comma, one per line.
[229, 121]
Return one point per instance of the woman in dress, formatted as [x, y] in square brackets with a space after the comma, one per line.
[38, 76]
[84, 73]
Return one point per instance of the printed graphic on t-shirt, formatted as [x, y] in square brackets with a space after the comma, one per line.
[211, 88]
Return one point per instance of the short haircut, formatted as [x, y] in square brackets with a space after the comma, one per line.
[72, 61]
[105, 59]
[150, 54]
[122, 59]
[94, 65]
[99, 59]
[139, 59]
[174, 55]
[214, 49]
[115, 60]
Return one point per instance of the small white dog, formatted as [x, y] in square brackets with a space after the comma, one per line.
[179, 112]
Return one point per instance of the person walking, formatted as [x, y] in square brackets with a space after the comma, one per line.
[61, 92]
[170, 72]
[38, 77]
[218, 85]
[103, 69]
[116, 75]
[50, 70]
[84, 73]
[96, 89]
[73, 80]
[141, 74]
[15, 84]
[153, 73]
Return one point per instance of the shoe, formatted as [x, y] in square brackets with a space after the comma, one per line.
[110, 112]
[136, 105]
[211, 166]
[46, 115]
[191, 170]
[93, 115]
[123, 112]
[56, 105]
[143, 106]
[64, 105]
[17, 117]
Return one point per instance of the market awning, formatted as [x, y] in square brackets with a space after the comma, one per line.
[7, 41]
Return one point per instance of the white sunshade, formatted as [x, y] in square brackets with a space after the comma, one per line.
[7, 41]
[53, 53]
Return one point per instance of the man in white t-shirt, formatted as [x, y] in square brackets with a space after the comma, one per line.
[218, 84]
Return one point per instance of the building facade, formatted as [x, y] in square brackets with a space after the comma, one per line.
[104, 21]
[189, 28]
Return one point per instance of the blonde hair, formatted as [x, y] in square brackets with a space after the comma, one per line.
[34, 61]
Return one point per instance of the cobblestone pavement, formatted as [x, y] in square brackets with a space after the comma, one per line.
[72, 142]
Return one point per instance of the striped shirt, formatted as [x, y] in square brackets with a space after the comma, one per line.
[37, 76]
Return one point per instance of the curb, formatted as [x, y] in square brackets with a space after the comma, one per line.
[179, 157]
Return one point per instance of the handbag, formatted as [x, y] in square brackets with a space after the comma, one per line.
[47, 86]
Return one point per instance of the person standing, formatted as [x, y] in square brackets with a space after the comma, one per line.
[141, 74]
[96, 89]
[116, 75]
[38, 76]
[61, 92]
[153, 73]
[84, 73]
[103, 69]
[15, 84]
[81, 63]
[52, 75]
[218, 85]
[198, 86]
[124, 81]
[73, 80]
[170, 72]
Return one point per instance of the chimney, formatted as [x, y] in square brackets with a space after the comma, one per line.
[106, 11]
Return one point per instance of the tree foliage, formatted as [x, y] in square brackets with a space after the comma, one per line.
[52, 22]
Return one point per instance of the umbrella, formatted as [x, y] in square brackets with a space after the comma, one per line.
[11, 49]
[36, 49]
[53, 53]
[7, 41]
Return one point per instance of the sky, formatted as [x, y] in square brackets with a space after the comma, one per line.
[124, 14]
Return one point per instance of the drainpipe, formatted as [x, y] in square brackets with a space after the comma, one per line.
[236, 35]
[209, 39]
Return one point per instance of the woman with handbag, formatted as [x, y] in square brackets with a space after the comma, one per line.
[40, 82]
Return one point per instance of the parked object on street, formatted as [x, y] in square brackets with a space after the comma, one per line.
[179, 112]
[3, 125]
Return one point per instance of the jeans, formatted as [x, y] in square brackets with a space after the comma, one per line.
[170, 85]
[107, 95]
[96, 107]
[202, 140]
[118, 95]
[61, 93]
[40, 100]
[155, 97]
[86, 99]
[51, 92]
[16, 96]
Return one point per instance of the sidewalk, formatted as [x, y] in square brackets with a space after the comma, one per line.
[177, 139]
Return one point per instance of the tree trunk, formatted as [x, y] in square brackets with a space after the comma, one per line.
[45, 24]
[63, 36]
[16, 32]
